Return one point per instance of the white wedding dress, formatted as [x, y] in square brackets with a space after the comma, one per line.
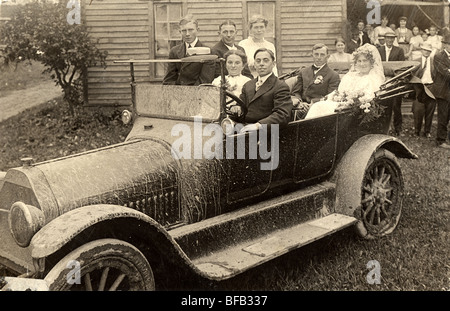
[365, 85]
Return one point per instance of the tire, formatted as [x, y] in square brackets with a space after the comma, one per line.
[381, 196]
[105, 264]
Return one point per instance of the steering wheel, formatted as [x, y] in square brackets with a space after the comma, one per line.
[229, 100]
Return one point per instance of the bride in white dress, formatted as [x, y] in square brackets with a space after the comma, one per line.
[364, 78]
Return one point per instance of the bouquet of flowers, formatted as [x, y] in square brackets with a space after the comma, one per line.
[364, 105]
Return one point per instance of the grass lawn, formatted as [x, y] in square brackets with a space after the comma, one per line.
[21, 76]
[414, 257]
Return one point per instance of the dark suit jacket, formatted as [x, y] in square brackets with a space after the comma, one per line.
[352, 46]
[396, 54]
[220, 49]
[188, 73]
[441, 85]
[365, 39]
[271, 104]
[307, 90]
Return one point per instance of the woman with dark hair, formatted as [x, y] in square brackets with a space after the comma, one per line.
[235, 61]
[403, 35]
[340, 55]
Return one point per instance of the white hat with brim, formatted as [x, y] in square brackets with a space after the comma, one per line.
[426, 46]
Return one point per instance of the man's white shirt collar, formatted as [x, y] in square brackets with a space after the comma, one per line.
[192, 44]
[264, 78]
[230, 47]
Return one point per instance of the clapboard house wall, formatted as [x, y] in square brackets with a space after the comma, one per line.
[126, 30]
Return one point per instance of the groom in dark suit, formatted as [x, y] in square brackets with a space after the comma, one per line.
[316, 81]
[389, 52]
[188, 73]
[266, 98]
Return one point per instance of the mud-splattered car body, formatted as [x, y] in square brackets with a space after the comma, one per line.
[217, 216]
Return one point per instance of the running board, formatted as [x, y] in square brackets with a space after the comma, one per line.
[233, 260]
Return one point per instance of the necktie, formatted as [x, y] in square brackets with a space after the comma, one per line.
[315, 69]
[189, 46]
[258, 85]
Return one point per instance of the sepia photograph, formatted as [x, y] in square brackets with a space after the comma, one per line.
[225, 153]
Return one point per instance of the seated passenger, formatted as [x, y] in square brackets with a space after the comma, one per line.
[235, 61]
[188, 73]
[364, 78]
[266, 99]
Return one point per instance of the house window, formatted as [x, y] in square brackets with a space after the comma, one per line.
[266, 9]
[167, 35]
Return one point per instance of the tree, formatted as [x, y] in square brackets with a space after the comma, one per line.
[40, 31]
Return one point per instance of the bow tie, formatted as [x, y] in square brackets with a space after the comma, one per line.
[314, 67]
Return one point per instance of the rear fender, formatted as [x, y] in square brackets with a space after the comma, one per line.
[351, 169]
[114, 221]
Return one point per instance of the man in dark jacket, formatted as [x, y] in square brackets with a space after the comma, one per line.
[227, 33]
[188, 73]
[316, 81]
[389, 52]
[363, 37]
[441, 90]
[266, 98]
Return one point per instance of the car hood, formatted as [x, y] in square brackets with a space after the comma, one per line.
[119, 174]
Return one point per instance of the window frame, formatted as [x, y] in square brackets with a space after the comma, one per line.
[153, 37]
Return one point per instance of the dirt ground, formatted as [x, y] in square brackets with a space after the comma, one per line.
[20, 100]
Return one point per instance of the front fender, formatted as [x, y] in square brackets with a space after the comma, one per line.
[63, 229]
[351, 169]
[2, 179]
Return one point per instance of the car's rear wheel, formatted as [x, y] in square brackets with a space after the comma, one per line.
[381, 198]
[105, 264]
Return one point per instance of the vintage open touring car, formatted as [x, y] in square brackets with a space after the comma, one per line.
[122, 211]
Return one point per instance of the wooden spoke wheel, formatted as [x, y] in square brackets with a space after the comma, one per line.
[105, 264]
[382, 192]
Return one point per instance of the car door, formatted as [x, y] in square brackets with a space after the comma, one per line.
[259, 162]
[316, 147]
[246, 176]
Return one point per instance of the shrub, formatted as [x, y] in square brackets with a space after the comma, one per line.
[40, 31]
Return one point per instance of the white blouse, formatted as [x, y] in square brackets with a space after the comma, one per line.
[236, 83]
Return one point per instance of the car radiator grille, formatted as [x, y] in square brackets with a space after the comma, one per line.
[163, 207]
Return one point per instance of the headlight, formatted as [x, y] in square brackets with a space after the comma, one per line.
[24, 221]
[227, 126]
[126, 116]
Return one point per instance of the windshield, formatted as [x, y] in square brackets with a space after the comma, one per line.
[178, 101]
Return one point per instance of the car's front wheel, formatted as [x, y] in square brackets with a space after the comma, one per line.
[381, 197]
[105, 264]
